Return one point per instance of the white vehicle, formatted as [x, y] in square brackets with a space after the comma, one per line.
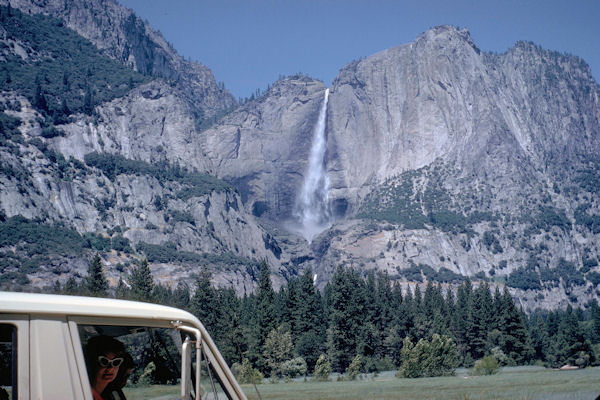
[43, 342]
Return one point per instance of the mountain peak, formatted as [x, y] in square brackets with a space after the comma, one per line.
[447, 35]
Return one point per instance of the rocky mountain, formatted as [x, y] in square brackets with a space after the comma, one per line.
[118, 33]
[443, 162]
[480, 164]
[118, 168]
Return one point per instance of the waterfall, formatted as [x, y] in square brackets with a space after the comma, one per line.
[312, 206]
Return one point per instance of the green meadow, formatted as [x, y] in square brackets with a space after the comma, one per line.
[517, 383]
[526, 383]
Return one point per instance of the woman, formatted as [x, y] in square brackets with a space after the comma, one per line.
[114, 390]
[103, 357]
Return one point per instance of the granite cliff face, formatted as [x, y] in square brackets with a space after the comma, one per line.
[263, 146]
[178, 224]
[152, 123]
[440, 98]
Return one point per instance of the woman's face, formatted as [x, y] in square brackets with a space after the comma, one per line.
[108, 373]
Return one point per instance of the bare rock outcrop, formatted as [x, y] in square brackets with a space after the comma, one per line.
[263, 146]
[442, 98]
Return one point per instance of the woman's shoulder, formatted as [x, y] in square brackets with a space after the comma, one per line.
[113, 395]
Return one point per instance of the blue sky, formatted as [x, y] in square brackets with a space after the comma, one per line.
[248, 44]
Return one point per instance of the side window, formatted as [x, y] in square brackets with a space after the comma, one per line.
[8, 362]
[131, 361]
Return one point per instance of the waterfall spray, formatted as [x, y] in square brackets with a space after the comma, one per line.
[312, 206]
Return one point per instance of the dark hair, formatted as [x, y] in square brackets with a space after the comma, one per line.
[100, 346]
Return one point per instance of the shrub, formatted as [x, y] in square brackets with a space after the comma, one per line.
[593, 277]
[354, 368]
[245, 373]
[438, 357]
[568, 271]
[499, 355]
[195, 184]
[549, 217]
[294, 368]
[322, 369]
[147, 377]
[525, 279]
[182, 216]
[375, 364]
[121, 243]
[41, 238]
[445, 275]
[491, 242]
[488, 365]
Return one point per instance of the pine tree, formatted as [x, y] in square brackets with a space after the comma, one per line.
[514, 340]
[478, 323]
[421, 325]
[96, 283]
[393, 344]
[308, 325]
[39, 100]
[204, 303]
[539, 337]
[162, 295]
[123, 290]
[181, 296]
[265, 319]
[382, 320]
[231, 341]
[578, 350]
[595, 321]
[142, 284]
[88, 101]
[450, 306]
[462, 316]
[71, 287]
[396, 300]
[56, 288]
[408, 313]
[287, 307]
[372, 308]
[347, 307]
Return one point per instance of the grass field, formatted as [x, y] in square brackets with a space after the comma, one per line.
[519, 383]
[526, 383]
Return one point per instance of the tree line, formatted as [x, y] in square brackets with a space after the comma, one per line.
[360, 324]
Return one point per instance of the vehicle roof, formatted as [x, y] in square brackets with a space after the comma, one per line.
[52, 304]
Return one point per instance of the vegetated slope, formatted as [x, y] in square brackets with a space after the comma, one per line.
[123, 36]
[58, 71]
[97, 157]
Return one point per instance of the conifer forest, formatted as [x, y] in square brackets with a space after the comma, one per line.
[362, 324]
